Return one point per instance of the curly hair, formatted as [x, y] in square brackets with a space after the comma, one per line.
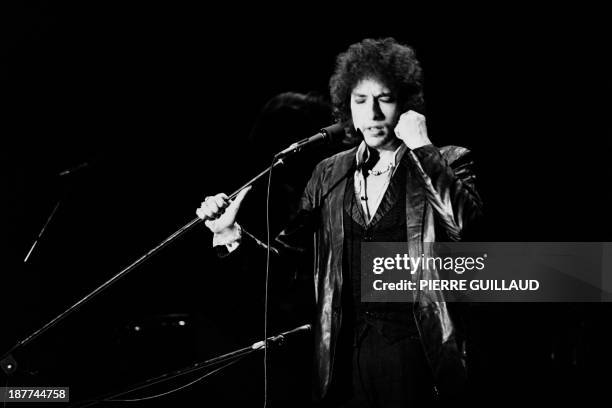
[384, 59]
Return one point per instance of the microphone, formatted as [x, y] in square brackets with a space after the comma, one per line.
[74, 169]
[280, 338]
[328, 134]
[303, 328]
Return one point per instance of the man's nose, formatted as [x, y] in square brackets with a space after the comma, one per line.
[377, 113]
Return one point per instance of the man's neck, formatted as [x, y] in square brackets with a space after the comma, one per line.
[387, 152]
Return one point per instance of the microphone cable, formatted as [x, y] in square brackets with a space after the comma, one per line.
[178, 388]
[159, 380]
[267, 285]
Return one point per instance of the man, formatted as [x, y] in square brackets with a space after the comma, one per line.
[394, 187]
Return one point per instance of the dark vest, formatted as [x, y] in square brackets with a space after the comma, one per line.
[392, 320]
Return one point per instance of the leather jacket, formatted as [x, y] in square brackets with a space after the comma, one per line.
[441, 202]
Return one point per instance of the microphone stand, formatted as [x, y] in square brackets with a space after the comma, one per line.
[233, 356]
[9, 364]
[42, 231]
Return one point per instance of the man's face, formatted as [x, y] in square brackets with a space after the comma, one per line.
[375, 112]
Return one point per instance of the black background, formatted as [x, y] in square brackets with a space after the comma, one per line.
[159, 99]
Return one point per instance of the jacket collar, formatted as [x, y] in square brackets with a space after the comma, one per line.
[365, 155]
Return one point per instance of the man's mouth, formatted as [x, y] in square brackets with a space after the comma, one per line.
[375, 129]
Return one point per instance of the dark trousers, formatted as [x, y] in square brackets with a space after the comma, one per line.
[383, 373]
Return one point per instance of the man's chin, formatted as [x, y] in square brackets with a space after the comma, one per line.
[376, 141]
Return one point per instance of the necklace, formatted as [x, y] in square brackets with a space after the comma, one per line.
[379, 172]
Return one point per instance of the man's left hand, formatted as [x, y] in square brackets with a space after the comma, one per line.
[411, 129]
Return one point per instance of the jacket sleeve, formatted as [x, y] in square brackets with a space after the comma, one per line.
[297, 237]
[234, 243]
[449, 182]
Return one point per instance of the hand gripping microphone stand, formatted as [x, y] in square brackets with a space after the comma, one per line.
[330, 133]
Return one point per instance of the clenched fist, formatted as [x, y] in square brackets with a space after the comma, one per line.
[219, 212]
[411, 129]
